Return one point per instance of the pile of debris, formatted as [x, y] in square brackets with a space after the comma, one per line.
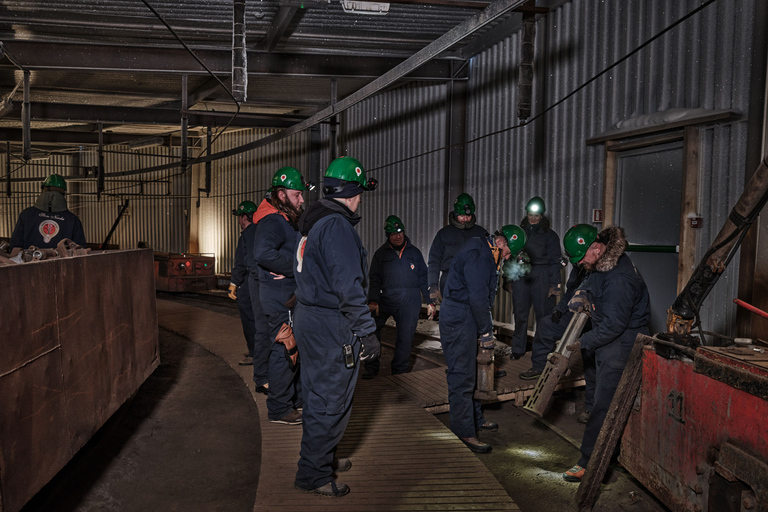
[65, 249]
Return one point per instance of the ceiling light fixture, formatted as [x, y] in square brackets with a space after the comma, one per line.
[361, 7]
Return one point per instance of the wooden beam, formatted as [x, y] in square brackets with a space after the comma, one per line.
[609, 187]
[690, 205]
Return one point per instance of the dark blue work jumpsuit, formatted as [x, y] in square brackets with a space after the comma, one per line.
[273, 251]
[45, 230]
[444, 248]
[544, 250]
[261, 341]
[240, 279]
[398, 280]
[465, 315]
[620, 310]
[331, 267]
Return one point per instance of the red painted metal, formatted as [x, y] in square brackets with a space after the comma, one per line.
[680, 422]
[184, 272]
[750, 307]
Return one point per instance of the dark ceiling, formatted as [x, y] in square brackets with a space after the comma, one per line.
[121, 64]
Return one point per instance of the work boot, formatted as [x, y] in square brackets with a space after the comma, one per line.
[341, 465]
[476, 445]
[490, 426]
[331, 489]
[575, 474]
[583, 417]
[292, 418]
[246, 361]
[517, 356]
[530, 374]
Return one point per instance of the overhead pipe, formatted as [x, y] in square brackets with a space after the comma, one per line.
[26, 131]
[239, 54]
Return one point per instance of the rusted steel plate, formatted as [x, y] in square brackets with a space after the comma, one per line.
[385, 474]
[94, 335]
[680, 422]
[33, 433]
[27, 315]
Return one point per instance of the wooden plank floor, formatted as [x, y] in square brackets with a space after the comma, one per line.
[430, 387]
[403, 458]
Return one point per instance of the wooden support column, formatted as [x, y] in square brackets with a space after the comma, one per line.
[609, 186]
[687, 260]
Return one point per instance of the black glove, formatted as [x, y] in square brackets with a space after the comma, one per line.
[556, 316]
[370, 348]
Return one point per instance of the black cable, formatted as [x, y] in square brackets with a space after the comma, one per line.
[560, 101]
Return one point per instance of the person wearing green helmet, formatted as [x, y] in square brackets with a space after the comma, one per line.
[238, 283]
[333, 325]
[462, 225]
[397, 283]
[617, 299]
[466, 323]
[273, 247]
[49, 221]
[542, 283]
[550, 329]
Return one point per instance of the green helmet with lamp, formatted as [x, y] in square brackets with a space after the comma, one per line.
[393, 224]
[464, 205]
[290, 178]
[515, 237]
[55, 180]
[350, 169]
[245, 208]
[577, 240]
[536, 206]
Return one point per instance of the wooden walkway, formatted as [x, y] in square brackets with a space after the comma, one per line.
[430, 387]
[403, 458]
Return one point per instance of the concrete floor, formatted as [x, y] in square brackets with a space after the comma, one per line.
[189, 441]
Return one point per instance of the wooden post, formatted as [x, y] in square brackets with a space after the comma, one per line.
[613, 426]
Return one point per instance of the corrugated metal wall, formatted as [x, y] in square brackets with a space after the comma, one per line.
[701, 63]
[157, 216]
[246, 176]
[389, 127]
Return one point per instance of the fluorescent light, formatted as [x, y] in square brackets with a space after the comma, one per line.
[362, 7]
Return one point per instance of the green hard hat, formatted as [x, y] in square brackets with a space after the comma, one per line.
[290, 178]
[55, 180]
[393, 224]
[536, 205]
[464, 205]
[349, 169]
[245, 208]
[577, 240]
[515, 236]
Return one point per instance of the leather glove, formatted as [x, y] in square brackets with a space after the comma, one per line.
[370, 348]
[487, 340]
[232, 291]
[374, 308]
[556, 316]
[431, 310]
[553, 290]
[434, 294]
[579, 302]
[574, 346]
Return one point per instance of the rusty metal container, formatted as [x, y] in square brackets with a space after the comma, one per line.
[698, 434]
[78, 336]
[184, 272]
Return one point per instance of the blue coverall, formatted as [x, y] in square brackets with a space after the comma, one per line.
[544, 250]
[444, 248]
[398, 280]
[331, 267]
[465, 315]
[240, 279]
[261, 341]
[620, 308]
[45, 230]
[273, 251]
